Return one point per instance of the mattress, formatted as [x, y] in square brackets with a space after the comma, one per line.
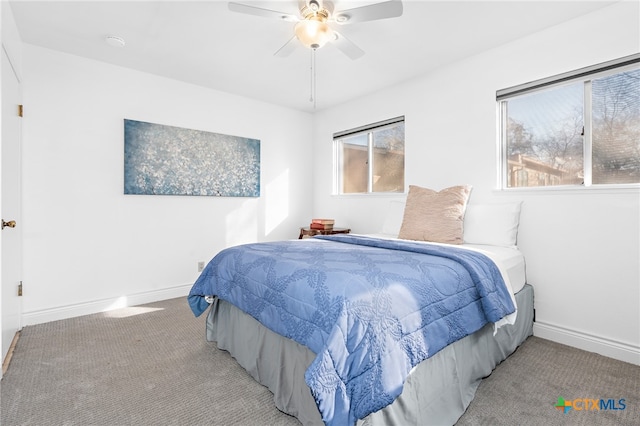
[510, 260]
[438, 390]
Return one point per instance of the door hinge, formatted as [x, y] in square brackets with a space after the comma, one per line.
[20, 110]
[20, 289]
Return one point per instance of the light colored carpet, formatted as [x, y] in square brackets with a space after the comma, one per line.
[148, 365]
[524, 389]
[151, 365]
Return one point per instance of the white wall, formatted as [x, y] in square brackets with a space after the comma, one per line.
[86, 245]
[582, 247]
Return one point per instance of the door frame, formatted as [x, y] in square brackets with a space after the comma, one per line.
[13, 318]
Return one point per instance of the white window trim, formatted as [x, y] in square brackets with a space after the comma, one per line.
[338, 163]
[587, 73]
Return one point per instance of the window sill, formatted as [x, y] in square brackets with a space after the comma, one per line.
[630, 189]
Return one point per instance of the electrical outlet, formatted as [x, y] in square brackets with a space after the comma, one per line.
[200, 266]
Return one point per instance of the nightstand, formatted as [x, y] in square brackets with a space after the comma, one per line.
[307, 232]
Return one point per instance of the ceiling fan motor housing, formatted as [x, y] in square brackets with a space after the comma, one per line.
[313, 9]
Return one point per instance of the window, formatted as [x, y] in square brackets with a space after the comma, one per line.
[370, 159]
[580, 128]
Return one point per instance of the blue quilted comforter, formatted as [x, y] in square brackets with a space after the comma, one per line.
[371, 309]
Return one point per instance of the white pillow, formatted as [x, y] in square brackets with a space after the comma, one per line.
[393, 218]
[492, 224]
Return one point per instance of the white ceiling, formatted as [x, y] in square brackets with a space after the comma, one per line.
[203, 43]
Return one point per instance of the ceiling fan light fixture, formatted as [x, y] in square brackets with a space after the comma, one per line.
[313, 33]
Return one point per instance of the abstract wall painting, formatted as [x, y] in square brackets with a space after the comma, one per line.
[167, 160]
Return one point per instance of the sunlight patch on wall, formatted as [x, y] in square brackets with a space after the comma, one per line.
[277, 202]
[121, 302]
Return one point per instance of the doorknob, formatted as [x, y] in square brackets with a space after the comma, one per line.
[10, 224]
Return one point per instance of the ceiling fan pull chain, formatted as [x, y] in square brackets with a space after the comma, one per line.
[312, 98]
[311, 77]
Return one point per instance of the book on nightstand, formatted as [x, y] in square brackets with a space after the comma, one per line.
[324, 221]
[322, 224]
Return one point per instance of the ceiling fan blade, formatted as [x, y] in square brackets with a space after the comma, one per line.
[384, 10]
[346, 46]
[287, 48]
[258, 11]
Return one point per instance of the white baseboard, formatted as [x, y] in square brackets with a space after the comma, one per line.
[610, 348]
[94, 307]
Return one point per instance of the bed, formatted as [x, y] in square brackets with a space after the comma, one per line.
[367, 329]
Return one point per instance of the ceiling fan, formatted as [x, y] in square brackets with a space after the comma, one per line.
[313, 24]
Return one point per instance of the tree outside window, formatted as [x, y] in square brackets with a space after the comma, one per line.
[582, 132]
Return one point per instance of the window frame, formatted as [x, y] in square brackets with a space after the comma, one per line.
[338, 164]
[586, 76]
